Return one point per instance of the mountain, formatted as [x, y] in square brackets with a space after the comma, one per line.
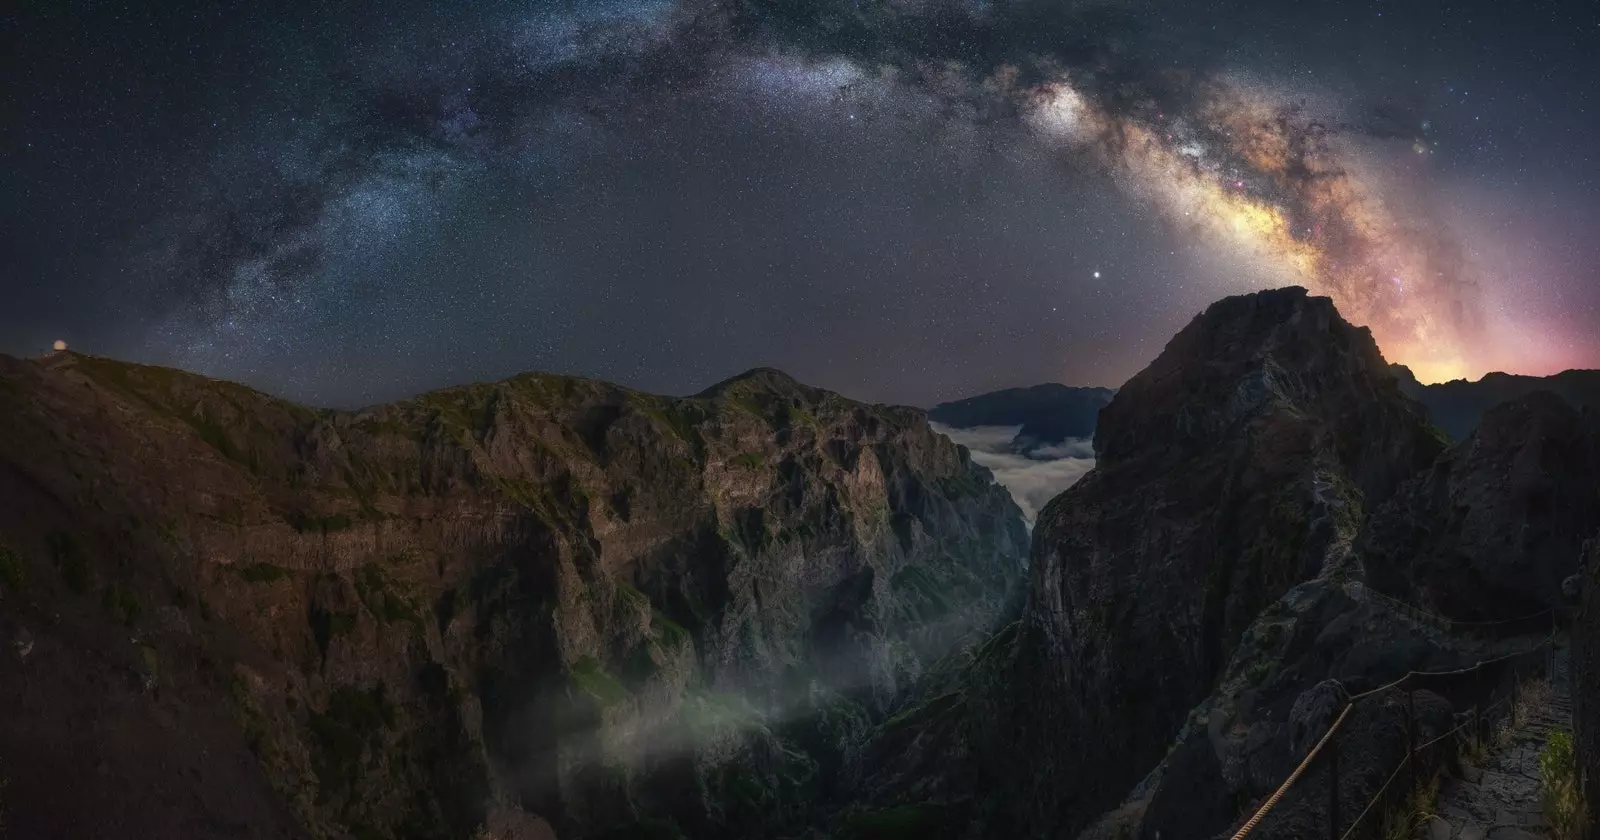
[533, 607]
[1047, 414]
[1492, 528]
[1239, 464]
[1200, 602]
[1456, 406]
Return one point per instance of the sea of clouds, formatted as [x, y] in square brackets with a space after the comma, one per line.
[1035, 476]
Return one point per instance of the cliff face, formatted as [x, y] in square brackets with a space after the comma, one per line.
[1239, 464]
[1492, 529]
[541, 602]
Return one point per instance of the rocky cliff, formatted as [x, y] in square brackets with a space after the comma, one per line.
[540, 605]
[1234, 467]
[1492, 528]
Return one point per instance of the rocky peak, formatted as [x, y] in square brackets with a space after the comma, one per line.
[1240, 463]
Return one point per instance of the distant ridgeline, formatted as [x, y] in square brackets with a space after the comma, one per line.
[1047, 414]
[1457, 405]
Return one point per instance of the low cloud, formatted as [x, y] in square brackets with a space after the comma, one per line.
[1033, 478]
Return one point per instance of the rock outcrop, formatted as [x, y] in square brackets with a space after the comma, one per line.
[1235, 468]
[544, 603]
[1491, 530]
[1237, 465]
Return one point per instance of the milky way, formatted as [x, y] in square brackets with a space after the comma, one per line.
[906, 201]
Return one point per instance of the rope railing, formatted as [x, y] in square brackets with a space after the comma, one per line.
[1476, 724]
[1266, 807]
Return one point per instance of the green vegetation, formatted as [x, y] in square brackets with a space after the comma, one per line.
[342, 734]
[307, 524]
[629, 594]
[590, 677]
[681, 418]
[1000, 644]
[261, 572]
[917, 580]
[69, 559]
[933, 707]
[327, 625]
[1408, 818]
[748, 460]
[794, 415]
[963, 485]
[905, 822]
[12, 577]
[121, 604]
[374, 589]
[671, 633]
[1562, 797]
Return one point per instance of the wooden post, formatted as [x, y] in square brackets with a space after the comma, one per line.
[1513, 694]
[1333, 789]
[1411, 738]
[1477, 728]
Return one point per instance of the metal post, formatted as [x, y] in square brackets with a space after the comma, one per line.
[1333, 789]
[1411, 738]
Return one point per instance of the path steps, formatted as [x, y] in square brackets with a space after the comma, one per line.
[1500, 799]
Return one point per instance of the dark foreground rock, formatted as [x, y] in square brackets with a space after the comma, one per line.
[1201, 604]
[1239, 464]
[1491, 530]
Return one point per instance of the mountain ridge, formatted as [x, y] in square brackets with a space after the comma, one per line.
[542, 602]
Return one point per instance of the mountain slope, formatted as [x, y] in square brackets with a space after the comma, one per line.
[1229, 470]
[1234, 468]
[540, 602]
[1456, 406]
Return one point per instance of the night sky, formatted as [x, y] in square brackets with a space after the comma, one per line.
[903, 200]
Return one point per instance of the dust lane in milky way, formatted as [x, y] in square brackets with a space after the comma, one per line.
[903, 201]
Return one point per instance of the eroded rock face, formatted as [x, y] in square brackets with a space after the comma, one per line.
[1239, 464]
[552, 597]
[1492, 529]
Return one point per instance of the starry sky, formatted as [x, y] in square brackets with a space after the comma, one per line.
[902, 200]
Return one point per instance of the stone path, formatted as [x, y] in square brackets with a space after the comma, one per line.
[1500, 799]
